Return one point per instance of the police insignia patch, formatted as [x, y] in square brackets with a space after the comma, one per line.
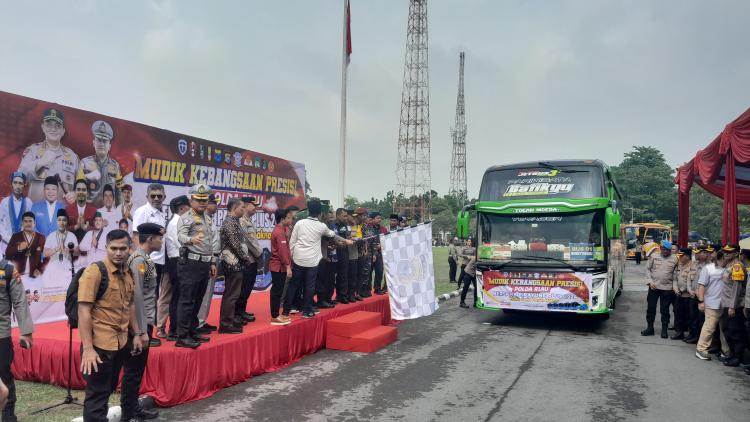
[738, 273]
[142, 269]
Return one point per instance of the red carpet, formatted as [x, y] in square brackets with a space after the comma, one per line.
[177, 376]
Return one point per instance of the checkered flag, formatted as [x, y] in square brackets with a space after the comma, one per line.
[407, 255]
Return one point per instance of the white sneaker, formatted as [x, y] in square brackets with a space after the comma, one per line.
[702, 356]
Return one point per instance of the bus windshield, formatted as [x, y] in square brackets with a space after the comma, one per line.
[543, 183]
[576, 237]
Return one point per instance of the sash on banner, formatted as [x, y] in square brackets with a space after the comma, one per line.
[407, 257]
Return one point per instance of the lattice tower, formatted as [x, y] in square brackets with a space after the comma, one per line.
[458, 133]
[413, 166]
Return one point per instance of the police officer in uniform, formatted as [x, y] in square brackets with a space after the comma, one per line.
[12, 296]
[660, 271]
[100, 169]
[50, 158]
[732, 321]
[144, 278]
[195, 232]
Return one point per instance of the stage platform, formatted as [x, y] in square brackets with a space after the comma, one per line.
[176, 375]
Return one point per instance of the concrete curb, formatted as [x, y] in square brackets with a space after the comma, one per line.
[446, 296]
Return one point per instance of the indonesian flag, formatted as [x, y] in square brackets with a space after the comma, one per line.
[348, 19]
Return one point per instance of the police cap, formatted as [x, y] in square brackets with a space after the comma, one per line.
[730, 248]
[102, 130]
[199, 192]
[149, 229]
[249, 200]
[54, 115]
[685, 251]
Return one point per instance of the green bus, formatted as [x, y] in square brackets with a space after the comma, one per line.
[548, 237]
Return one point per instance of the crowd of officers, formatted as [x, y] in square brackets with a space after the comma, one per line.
[707, 290]
[158, 284]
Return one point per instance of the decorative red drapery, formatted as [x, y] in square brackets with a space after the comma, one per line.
[714, 168]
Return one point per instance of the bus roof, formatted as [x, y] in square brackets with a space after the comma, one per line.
[562, 163]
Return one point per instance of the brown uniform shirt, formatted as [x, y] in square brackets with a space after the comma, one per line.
[111, 313]
[687, 274]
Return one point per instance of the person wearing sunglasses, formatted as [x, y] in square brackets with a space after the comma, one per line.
[152, 212]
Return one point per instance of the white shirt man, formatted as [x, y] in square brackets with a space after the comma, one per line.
[148, 213]
[710, 285]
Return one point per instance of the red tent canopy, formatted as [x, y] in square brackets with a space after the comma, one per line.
[723, 169]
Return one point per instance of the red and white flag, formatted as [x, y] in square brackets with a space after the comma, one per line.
[348, 32]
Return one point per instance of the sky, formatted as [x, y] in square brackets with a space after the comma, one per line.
[544, 80]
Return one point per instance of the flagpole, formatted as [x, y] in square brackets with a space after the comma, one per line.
[342, 147]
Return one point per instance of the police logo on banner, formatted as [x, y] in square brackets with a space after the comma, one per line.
[237, 159]
[182, 146]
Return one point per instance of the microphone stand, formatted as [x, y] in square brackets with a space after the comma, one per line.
[69, 399]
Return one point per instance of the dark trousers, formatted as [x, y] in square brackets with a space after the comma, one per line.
[301, 277]
[681, 313]
[326, 279]
[323, 290]
[174, 301]
[637, 258]
[735, 332]
[248, 282]
[365, 262]
[233, 281]
[133, 368]
[452, 267]
[277, 290]
[377, 270]
[695, 318]
[351, 277]
[664, 298]
[193, 283]
[6, 359]
[101, 383]
[468, 279]
[342, 267]
[462, 273]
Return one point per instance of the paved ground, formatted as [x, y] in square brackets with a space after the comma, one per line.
[470, 365]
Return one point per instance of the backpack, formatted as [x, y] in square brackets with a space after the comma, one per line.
[71, 297]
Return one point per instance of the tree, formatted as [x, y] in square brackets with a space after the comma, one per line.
[647, 184]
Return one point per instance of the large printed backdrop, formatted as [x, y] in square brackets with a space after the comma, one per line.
[141, 155]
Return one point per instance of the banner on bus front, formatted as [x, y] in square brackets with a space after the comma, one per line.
[536, 291]
[49, 146]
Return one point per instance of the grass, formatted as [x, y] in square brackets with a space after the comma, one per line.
[440, 264]
[33, 396]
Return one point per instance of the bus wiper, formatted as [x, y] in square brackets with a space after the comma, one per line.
[549, 258]
[511, 261]
[550, 166]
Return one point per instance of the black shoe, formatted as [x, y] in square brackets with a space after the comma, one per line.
[154, 342]
[648, 331]
[200, 339]
[172, 337]
[230, 330]
[147, 413]
[343, 301]
[187, 342]
[358, 298]
[723, 358]
[378, 292]
[714, 350]
[248, 318]
[732, 362]
[325, 305]
[691, 340]
[315, 310]
[671, 328]
[248, 315]
[203, 330]
[678, 336]
[210, 327]
[133, 419]
[463, 305]
[664, 332]
[308, 315]
[365, 294]
[747, 371]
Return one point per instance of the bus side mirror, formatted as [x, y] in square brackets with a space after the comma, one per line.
[612, 220]
[462, 224]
